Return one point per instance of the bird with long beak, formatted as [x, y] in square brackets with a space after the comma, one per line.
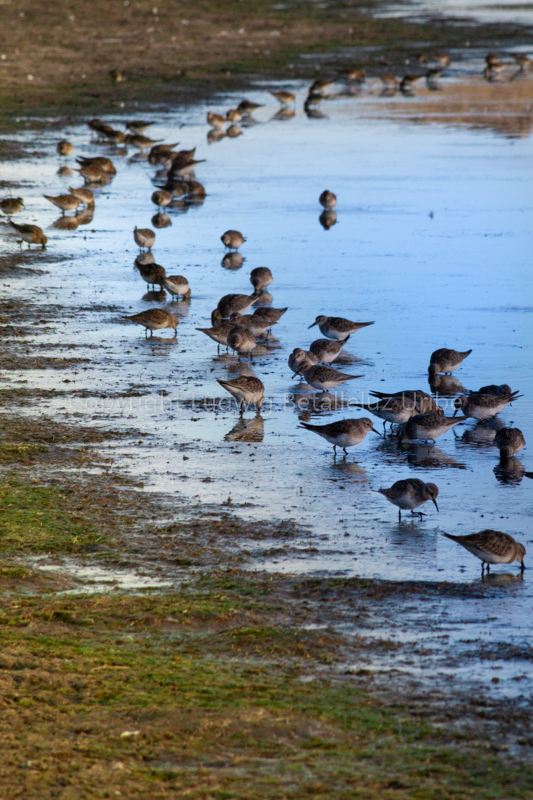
[492, 547]
[409, 494]
[344, 433]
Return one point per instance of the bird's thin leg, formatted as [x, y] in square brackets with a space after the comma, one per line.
[384, 424]
[488, 568]
[399, 515]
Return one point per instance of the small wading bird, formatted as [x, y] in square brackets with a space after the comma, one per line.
[337, 327]
[344, 433]
[31, 234]
[446, 361]
[509, 442]
[409, 494]
[177, 286]
[260, 278]
[218, 333]
[285, 98]
[66, 202]
[245, 389]
[492, 547]
[100, 162]
[85, 196]
[155, 319]
[11, 205]
[64, 148]
[232, 240]
[324, 378]
[328, 199]
[423, 401]
[326, 350]
[483, 406]
[241, 341]
[395, 410]
[427, 427]
[144, 237]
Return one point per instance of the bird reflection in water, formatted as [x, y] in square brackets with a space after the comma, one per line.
[233, 260]
[215, 135]
[502, 578]
[481, 434]
[66, 223]
[328, 218]
[247, 430]
[344, 469]
[446, 385]
[152, 296]
[284, 113]
[510, 471]
[161, 220]
[307, 403]
[418, 455]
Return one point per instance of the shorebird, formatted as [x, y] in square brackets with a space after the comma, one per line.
[177, 285]
[260, 278]
[195, 189]
[327, 350]
[337, 327]
[442, 59]
[100, 162]
[218, 333]
[152, 274]
[85, 196]
[255, 325]
[155, 319]
[215, 120]
[66, 202]
[64, 148]
[232, 240]
[354, 74]
[241, 341]
[409, 494]
[184, 170]
[284, 97]
[522, 60]
[161, 198]
[139, 141]
[344, 433]
[247, 106]
[234, 115]
[31, 234]
[328, 199]
[427, 427]
[11, 205]
[483, 406]
[395, 410]
[230, 303]
[269, 314]
[491, 59]
[509, 442]
[325, 378]
[246, 389]
[138, 125]
[492, 72]
[446, 361]
[144, 237]
[423, 401]
[497, 389]
[91, 174]
[300, 360]
[320, 85]
[233, 131]
[161, 152]
[492, 547]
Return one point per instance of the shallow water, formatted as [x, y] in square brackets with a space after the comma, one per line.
[433, 242]
[493, 11]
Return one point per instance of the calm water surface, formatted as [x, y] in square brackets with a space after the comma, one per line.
[433, 242]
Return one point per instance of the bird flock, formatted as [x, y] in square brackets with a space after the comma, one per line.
[415, 413]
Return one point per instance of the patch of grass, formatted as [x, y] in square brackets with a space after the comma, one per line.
[101, 697]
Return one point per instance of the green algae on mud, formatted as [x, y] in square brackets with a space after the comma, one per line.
[138, 696]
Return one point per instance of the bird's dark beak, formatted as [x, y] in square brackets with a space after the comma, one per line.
[455, 412]
[375, 431]
[522, 566]
[435, 504]
[312, 326]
